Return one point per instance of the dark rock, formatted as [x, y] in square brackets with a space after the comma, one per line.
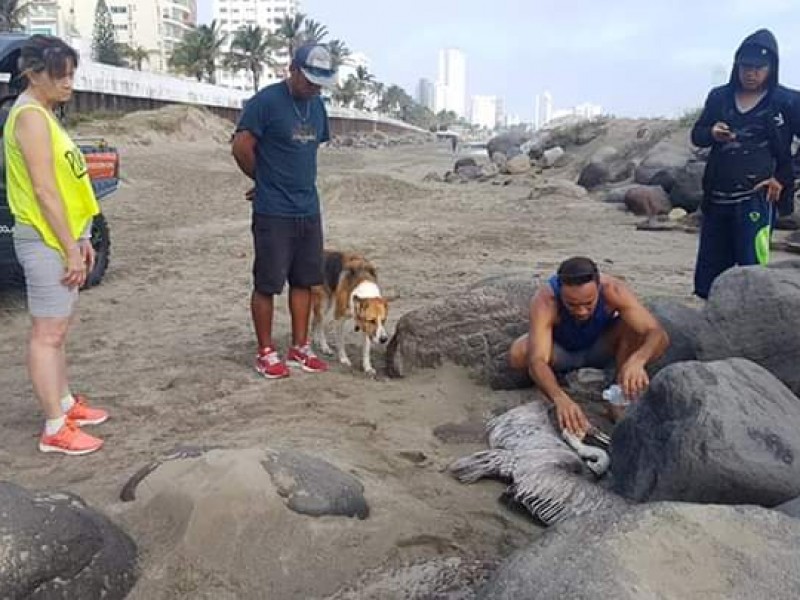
[687, 189]
[722, 432]
[54, 546]
[753, 313]
[506, 143]
[791, 508]
[664, 179]
[740, 553]
[646, 201]
[470, 328]
[685, 327]
[470, 172]
[670, 154]
[315, 487]
[605, 166]
[467, 161]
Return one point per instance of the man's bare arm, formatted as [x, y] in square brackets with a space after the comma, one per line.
[244, 151]
[540, 347]
[639, 319]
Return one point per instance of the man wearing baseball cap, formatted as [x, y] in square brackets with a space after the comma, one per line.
[746, 126]
[276, 145]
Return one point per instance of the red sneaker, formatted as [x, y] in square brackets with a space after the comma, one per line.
[270, 365]
[70, 440]
[303, 356]
[82, 414]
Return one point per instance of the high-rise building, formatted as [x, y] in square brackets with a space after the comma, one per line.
[426, 94]
[232, 15]
[484, 111]
[155, 25]
[451, 93]
[500, 118]
[544, 110]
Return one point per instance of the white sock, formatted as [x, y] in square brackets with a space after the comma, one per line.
[52, 426]
[67, 402]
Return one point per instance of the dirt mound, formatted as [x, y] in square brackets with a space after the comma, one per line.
[178, 122]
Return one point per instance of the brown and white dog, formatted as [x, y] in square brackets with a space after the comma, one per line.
[351, 289]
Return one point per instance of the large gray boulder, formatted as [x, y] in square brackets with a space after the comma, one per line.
[658, 551]
[755, 313]
[791, 508]
[606, 165]
[54, 546]
[670, 154]
[470, 328]
[687, 187]
[722, 432]
[685, 327]
[507, 143]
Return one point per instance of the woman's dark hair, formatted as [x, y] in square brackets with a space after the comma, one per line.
[47, 53]
[577, 271]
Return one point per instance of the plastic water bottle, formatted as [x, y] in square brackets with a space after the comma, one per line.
[614, 395]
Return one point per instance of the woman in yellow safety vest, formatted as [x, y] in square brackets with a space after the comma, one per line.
[51, 197]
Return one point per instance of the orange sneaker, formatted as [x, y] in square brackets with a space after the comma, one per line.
[70, 440]
[82, 414]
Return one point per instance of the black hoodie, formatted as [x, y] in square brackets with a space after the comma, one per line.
[762, 148]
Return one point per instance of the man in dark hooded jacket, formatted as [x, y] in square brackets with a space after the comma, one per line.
[789, 101]
[745, 125]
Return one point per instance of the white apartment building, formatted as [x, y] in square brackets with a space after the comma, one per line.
[232, 15]
[156, 25]
[451, 83]
[484, 111]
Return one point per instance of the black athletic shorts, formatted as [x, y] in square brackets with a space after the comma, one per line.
[286, 249]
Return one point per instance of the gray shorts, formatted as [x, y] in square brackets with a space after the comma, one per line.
[599, 356]
[44, 269]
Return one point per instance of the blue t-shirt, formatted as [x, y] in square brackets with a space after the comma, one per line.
[289, 132]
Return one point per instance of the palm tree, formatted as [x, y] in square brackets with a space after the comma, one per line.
[290, 31]
[189, 57]
[211, 41]
[313, 32]
[339, 52]
[12, 13]
[346, 94]
[364, 81]
[136, 55]
[251, 49]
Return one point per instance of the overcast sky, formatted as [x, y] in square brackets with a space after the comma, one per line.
[633, 57]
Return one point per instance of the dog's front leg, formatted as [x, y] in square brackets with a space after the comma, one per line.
[340, 344]
[366, 359]
[321, 339]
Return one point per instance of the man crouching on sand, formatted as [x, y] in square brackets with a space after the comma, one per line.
[583, 319]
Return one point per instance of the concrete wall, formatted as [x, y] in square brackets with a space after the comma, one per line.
[101, 87]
